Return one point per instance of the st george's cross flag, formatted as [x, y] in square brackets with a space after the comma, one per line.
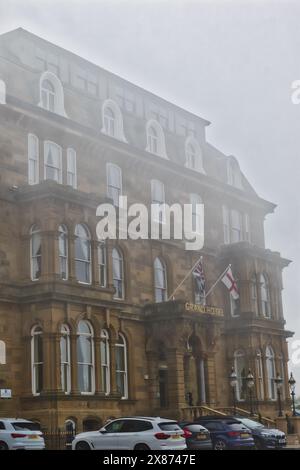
[230, 283]
[199, 277]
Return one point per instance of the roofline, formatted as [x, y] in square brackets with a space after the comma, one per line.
[76, 56]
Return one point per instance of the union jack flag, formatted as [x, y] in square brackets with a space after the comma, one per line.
[199, 277]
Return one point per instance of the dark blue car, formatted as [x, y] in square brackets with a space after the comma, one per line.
[227, 433]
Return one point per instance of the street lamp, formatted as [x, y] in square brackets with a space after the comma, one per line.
[233, 384]
[250, 385]
[278, 382]
[292, 384]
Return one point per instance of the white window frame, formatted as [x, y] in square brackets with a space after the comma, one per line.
[123, 345]
[33, 159]
[265, 299]
[102, 263]
[271, 373]
[36, 330]
[259, 375]
[35, 231]
[57, 94]
[91, 365]
[156, 141]
[79, 260]
[47, 145]
[111, 187]
[105, 364]
[116, 122]
[65, 366]
[63, 257]
[237, 355]
[160, 265]
[117, 255]
[71, 168]
[193, 155]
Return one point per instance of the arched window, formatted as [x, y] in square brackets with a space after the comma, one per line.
[265, 296]
[121, 366]
[71, 168]
[2, 352]
[37, 360]
[105, 362]
[65, 360]
[118, 273]
[160, 280]
[155, 139]
[259, 375]
[82, 254]
[33, 159]
[52, 94]
[63, 251]
[193, 155]
[240, 369]
[35, 253]
[2, 92]
[234, 176]
[102, 263]
[112, 120]
[158, 210]
[197, 224]
[52, 162]
[271, 373]
[85, 358]
[253, 290]
[114, 182]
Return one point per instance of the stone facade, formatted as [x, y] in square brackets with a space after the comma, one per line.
[176, 356]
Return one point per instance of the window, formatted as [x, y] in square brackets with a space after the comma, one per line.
[158, 201]
[33, 159]
[82, 254]
[240, 369]
[247, 236]
[52, 94]
[160, 280]
[265, 296]
[234, 306]
[112, 120]
[193, 155]
[234, 177]
[253, 290]
[155, 139]
[63, 251]
[236, 226]
[270, 367]
[85, 358]
[102, 264]
[226, 225]
[35, 253]
[114, 182]
[121, 366]
[281, 370]
[2, 352]
[195, 199]
[37, 361]
[118, 273]
[52, 162]
[71, 168]
[105, 362]
[259, 375]
[65, 362]
[2, 92]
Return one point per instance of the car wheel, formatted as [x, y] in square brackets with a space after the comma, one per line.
[141, 447]
[81, 445]
[3, 446]
[219, 444]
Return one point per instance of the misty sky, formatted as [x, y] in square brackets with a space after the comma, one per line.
[231, 62]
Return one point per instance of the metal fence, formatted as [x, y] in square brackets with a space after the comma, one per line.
[58, 440]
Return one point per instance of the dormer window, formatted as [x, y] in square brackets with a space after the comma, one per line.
[234, 176]
[48, 95]
[193, 155]
[155, 139]
[109, 122]
[112, 120]
[52, 94]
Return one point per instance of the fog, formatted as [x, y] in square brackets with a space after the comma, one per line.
[231, 62]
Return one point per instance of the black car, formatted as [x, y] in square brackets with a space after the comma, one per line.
[264, 438]
[197, 437]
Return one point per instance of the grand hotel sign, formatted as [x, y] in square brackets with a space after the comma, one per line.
[215, 311]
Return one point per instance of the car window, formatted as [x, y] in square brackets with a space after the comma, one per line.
[115, 426]
[236, 426]
[20, 426]
[2, 426]
[251, 424]
[194, 427]
[213, 426]
[169, 426]
[142, 426]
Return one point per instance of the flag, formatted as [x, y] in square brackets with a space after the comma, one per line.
[230, 283]
[199, 277]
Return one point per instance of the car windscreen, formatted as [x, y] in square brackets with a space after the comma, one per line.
[195, 428]
[23, 426]
[169, 427]
[235, 426]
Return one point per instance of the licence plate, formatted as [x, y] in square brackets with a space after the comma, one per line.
[34, 437]
[281, 441]
[245, 435]
[177, 436]
[201, 437]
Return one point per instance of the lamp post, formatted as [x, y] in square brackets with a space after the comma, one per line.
[250, 385]
[278, 382]
[292, 385]
[233, 384]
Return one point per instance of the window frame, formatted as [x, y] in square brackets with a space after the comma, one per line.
[120, 280]
[37, 331]
[47, 145]
[65, 366]
[88, 262]
[124, 373]
[163, 290]
[33, 160]
[90, 365]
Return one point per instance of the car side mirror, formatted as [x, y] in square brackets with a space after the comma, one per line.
[103, 431]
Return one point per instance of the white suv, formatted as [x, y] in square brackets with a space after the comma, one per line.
[134, 433]
[20, 434]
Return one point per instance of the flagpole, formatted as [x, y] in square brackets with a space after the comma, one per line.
[217, 281]
[185, 278]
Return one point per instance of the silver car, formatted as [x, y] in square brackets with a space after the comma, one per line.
[134, 433]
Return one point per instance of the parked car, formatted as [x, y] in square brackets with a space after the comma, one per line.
[134, 433]
[20, 434]
[227, 432]
[197, 437]
[264, 437]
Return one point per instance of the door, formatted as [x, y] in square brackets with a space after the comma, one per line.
[108, 438]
